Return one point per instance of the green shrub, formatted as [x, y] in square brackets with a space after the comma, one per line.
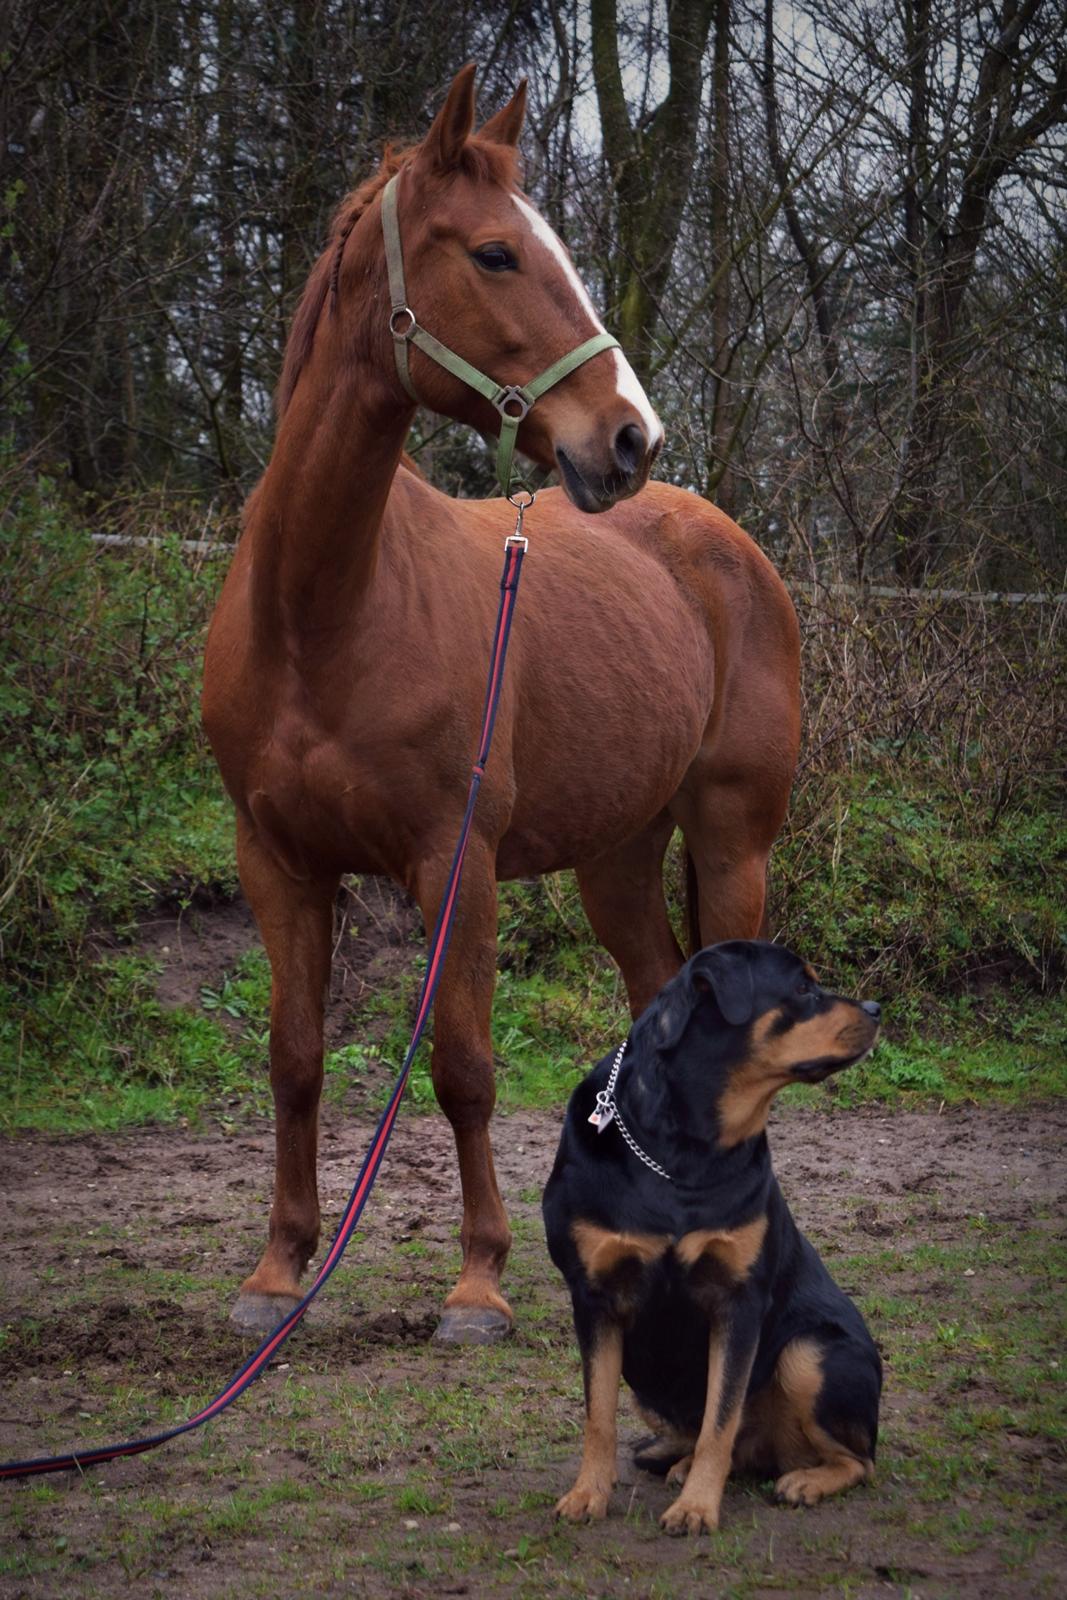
[920, 863]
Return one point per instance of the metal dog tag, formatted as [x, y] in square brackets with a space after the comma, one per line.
[604, 1114]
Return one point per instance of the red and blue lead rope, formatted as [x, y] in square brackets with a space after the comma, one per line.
[515, 549]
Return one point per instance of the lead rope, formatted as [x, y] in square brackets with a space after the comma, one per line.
[515, 547]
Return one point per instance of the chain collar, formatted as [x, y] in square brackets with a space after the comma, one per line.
[607, 1112]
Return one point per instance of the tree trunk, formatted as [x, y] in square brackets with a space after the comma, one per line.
[650, 165]
[720, 477]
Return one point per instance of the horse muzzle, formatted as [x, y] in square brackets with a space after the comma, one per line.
[595, 480]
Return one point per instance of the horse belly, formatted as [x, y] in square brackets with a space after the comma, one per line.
[603, 742]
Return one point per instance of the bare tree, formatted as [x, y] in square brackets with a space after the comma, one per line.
[649, 156]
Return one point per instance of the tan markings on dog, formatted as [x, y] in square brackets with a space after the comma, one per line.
[596, 1475]
[809, 972]
[736, 1249]
[809, 1485]
[669, 1444]
[601, 1251]
[696, 1509]
[780, 1437]
[680, 1470]
[745, 1102]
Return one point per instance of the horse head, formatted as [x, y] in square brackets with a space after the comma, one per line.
[486, 276]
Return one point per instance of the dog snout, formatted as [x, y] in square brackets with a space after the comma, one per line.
[872, 1008]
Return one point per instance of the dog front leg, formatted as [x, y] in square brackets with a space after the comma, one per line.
[730, 1357]
[601, 1370]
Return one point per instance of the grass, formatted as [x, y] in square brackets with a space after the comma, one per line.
[917, 868]
[101, 1052]
[396, 1472]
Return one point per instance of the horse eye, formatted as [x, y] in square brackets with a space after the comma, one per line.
[495, 258]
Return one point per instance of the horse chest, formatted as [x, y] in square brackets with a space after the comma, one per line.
[337, 805]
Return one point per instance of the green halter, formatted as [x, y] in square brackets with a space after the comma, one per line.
[511, 400]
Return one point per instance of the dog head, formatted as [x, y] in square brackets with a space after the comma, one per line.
[743, 1019]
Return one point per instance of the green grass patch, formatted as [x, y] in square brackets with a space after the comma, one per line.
[917, 874]
[428, 1468]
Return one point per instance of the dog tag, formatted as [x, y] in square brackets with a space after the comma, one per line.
[604, 1114]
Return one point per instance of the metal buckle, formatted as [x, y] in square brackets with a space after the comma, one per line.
[512, 394]
[405, 333]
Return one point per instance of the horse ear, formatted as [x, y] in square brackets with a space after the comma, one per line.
[451, 128]
[727, 971]
[505, 125]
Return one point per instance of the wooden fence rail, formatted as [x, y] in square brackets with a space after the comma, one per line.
[877, 591]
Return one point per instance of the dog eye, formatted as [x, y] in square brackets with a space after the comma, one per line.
[803, 989]
[495, 258]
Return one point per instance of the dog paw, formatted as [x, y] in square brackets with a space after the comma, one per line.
[689, 1517]
[680, 1470]
[800, 1488]
[584, 1504]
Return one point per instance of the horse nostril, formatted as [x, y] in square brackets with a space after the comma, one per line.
[630, 448]
[872, 1008]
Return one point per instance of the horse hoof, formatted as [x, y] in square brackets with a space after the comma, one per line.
[472, 1325]
[261, 1313]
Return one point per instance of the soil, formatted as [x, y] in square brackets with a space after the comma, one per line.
[194, 945]
[121, 1253]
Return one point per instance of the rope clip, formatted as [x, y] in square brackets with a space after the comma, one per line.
[521, 507]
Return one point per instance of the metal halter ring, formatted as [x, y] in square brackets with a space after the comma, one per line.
[522, 505]
[402, 333]
[512, 395]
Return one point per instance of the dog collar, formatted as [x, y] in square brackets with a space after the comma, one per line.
[607, 1112]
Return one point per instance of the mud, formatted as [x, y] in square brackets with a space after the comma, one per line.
[120, 1256]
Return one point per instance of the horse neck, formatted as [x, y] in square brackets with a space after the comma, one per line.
[317, 516]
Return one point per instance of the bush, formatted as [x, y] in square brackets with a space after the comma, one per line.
[917, 863]
[109, 795]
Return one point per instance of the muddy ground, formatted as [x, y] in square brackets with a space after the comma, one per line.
[369, 1461]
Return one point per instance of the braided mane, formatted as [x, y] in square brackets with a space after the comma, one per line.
[479, 159]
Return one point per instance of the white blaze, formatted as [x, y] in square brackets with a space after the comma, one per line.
[626, 381]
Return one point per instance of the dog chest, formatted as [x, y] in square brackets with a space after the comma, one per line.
[632, 1268]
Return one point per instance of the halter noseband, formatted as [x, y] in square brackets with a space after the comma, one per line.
[511, 400]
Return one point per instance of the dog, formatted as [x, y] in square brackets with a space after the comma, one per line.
[687, 1273]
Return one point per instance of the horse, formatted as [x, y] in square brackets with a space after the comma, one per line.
[653, 679]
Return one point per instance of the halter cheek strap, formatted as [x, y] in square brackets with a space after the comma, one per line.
[511, 400]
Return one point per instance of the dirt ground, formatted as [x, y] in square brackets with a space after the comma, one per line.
[369, 1461]
[194, 946]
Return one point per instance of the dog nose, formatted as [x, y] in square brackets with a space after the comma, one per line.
[872, 1008]
[630, 448]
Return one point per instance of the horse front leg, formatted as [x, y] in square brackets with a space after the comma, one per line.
[296, 924]
[462, 1066]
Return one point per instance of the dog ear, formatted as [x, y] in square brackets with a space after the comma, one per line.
[727, 971]
[673, 1008]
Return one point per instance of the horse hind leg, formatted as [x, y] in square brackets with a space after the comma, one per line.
[475, 1311]
[730, 807]
[295, 921]
[622, 892]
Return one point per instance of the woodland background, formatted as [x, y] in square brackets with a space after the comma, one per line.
[832, 239]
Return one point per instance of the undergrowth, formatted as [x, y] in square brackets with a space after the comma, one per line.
[920, 863]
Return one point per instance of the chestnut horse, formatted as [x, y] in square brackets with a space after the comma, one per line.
[652, 681]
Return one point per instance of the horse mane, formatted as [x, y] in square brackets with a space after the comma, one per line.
[479, 159]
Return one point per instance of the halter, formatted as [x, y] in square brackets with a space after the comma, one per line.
[511, 400]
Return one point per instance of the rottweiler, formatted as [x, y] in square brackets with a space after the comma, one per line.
[688, 1275]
